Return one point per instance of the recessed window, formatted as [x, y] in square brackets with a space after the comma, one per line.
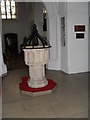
[8, 9]
[44, 19]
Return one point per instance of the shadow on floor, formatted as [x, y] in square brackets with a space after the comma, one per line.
[16, 62]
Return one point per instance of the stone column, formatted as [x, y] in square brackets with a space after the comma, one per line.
[3, 69]
[54, 38]
[37, 76]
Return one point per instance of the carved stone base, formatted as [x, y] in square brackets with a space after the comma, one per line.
[25, 89]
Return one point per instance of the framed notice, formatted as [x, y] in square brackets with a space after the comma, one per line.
[79, 35]
[79, 28]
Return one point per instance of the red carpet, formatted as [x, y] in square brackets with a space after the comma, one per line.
[24, 86]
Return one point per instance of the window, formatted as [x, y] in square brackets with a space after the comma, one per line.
[8, 9]
[44, 19]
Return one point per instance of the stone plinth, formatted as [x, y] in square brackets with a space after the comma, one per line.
[25, 89]
[36, 59]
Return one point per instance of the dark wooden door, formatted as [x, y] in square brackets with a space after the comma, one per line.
[11, 43]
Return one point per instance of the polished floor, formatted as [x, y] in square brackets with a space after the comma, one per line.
[68, 100]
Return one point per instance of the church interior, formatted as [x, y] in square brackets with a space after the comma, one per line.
[66, 26]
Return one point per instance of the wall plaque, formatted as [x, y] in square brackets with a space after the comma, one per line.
[79, 35]
[79, 28]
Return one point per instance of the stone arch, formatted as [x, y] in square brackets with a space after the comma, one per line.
[51, 8]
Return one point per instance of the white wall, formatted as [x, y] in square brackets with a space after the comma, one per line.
[54, 36]
[1, 60]
[30, 15]
[73, 58]
[77, 49]
[39, 17]
[64, 51]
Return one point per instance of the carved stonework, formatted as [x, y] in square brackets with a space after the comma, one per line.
[36, 56]
[36, 59]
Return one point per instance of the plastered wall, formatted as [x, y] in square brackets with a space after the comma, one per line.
[77, 48]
